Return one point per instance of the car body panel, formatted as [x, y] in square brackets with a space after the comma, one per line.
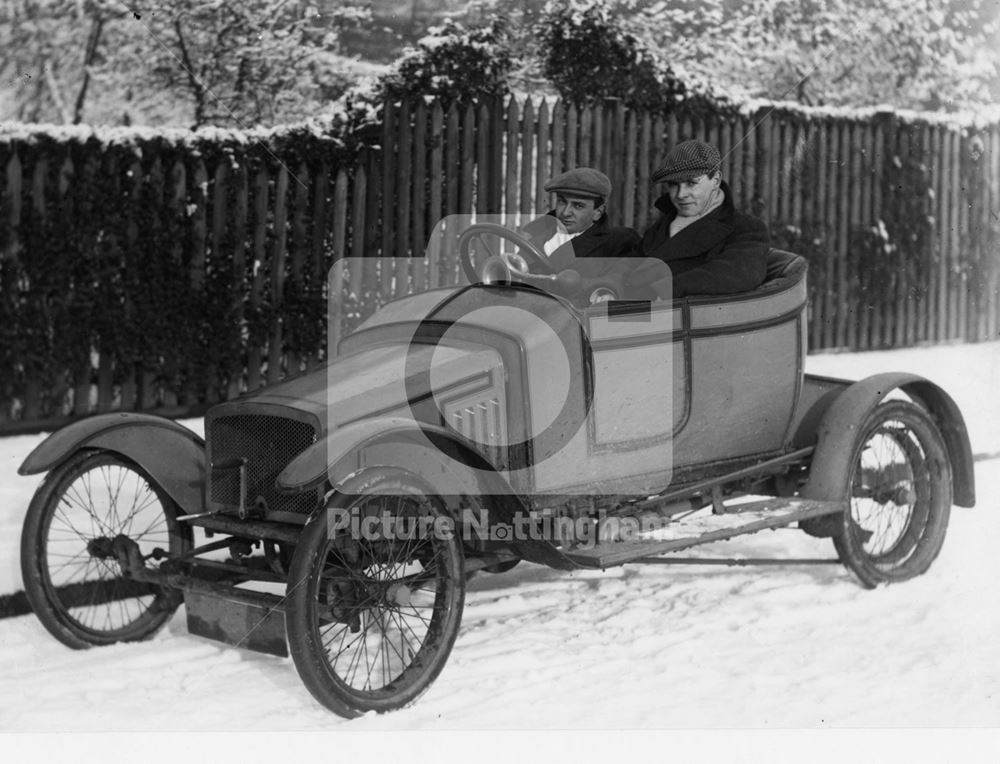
[373, 381]
[837, 432]
[172, 454]
[636, 413]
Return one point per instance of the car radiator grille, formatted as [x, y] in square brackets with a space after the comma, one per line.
[265, 444]
[482, 423]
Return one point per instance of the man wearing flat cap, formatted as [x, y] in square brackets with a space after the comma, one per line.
[578, 226]
[709, 247]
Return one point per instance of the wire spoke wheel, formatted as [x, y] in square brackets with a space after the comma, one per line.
[83, 511]
[901, 495]
[374, 608]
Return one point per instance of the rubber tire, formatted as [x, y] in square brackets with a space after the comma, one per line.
[921, 539]
[302, 626]
[46, 598]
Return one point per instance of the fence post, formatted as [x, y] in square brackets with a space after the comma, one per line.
[297, 256]
[905, 288]
[627, 195]
[176, 210]
[644, 160]
[275, 349]
[261, 187]
[199, 259]
[241, 205]
[614, 156]
[335, 278]
[978, 232]
[437, 180]
[510, 139]
[454, 142]
[545, 154]
[359, 212]
[389, 198]
[467, 160]
[12, 205]
[108, 356]
[495, 106]
[133, 189]
[421, 188]
[34, 382]
[528, 143]
[10, 208]
[852, 282]
[956, 296]
[863, 219]
[572, 122]
[374, 214]
[785, 176]
[929, 283]
[82, 374]
[404, 244]
[485, 179]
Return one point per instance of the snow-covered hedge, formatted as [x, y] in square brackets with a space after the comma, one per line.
[589, 57]
[454, 63]
[141, 245]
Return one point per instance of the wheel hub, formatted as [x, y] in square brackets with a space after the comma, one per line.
[101, 548]
[344, 602]
[398, 595]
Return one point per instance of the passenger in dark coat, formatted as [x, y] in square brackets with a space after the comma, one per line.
[709, 247]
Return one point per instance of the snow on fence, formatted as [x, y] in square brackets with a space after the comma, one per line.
[153, 274]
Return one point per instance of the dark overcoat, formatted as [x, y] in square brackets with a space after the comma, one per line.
[603, 255]
[724, 252]
[598, 241]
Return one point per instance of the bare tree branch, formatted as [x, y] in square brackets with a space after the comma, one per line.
[196, 87]
[93, 42]
[55, 91]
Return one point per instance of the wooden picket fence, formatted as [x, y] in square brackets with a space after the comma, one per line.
[896, 215]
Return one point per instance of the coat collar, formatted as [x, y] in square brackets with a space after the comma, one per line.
[695, 239]
[541, 229]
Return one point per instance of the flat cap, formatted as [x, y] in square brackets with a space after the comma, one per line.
[688, 160]
[583, 180]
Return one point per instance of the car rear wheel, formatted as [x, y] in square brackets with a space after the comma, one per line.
[900, 494]
[83, 511]
[374, 607]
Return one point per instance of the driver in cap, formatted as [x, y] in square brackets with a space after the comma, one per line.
[578, 226]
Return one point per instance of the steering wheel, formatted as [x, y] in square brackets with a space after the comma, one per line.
[528, 259]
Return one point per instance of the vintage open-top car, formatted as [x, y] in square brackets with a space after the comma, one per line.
[529, 416]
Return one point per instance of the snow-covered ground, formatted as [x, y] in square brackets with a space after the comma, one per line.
[636, 647]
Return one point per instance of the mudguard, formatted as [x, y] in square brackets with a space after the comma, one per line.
[172, 454]
[450, 466]
[839, 425]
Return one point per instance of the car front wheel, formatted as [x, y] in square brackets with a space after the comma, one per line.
[83, 511]
[375, 594]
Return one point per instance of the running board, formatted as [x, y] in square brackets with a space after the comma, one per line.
[703, 528]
